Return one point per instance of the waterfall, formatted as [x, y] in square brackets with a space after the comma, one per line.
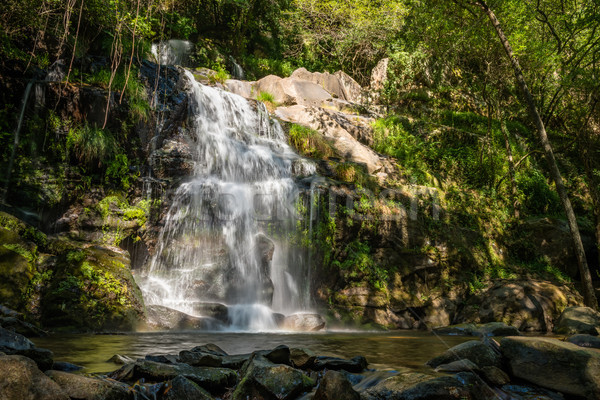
[172, 52]
[225, 237]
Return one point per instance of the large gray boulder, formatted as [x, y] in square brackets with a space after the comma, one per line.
[306, 322]
[578, 320]
[14, 341]
[20, 379]
[555, 365]
[165, 318]
[475, 351]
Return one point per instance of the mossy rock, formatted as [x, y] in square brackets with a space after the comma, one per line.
[92, 289]
[22, 229]
[17, 268]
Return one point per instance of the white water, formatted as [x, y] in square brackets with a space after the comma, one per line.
[240, 201]
[172, 52]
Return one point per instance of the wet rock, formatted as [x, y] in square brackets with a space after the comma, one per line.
[335, 386]
[84, 388]
[304, 322]
[261, 379]
[182, 388]
[583, 340]
[235, 361]
[21, 379]
[66, 366]
[554, 365]
[14, 341]
[458, 366]
[355, 364]
[211, 379]
[477, 352]
[120, 359]
[279, 355]
[489, 329]
[162, 358]
[528, 305]
[519, 392]
[302, 358]
[44, 358]
[457, 330]
[165, 318]
[200, 359]
[217, 311]
[210, 348]
[416, 386]
[19, 326]
[578, 320]
[495, 375]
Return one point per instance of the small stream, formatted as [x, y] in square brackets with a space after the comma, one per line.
[384, 350]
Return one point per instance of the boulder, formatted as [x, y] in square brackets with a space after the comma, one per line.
[279, 355]
[578, 320]
[520, 392]
[304, 322]
[210, 348]
[21, 379]
[14, 341]
[495, 376]
[302, 358]
[528, 305]
[200, 359]
[119, 359]
[489, 329]
[17, 325]
[85, 388]
[353, 92]
[44, 358]
[379, 75]
[475, 351]
[355, 364]
[162, 358]
[417, 386]
[165, 318]
[264, 380]
[66, 366]
[216, 311]
[182, 388]
[335, 386]
[553, 364]
[241, 88]
[584, 340]
[273, 85]
[211, 379]
[458, 366]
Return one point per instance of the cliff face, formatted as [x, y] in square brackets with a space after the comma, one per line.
[383, 250]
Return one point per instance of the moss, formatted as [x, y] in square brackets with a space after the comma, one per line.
[17, 268]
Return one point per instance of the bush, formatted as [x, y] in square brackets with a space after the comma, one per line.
[91, 145]
[309, 143]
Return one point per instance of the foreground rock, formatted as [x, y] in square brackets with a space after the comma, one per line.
[583, 340]
[578, 320]
[182, 388]
[475, 351]
[262, 379]
[82, 387]
[335, 386]
[20, 378]
[555, 365]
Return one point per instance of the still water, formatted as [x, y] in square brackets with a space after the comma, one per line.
[384, 350]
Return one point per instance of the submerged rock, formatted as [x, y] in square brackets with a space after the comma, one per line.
[553, 364]
[20, 378]
[335, 386]
[578, 320]
[304, 322]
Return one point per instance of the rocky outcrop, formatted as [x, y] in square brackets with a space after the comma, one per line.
[555, 365]
[578, 320]
[20, 378]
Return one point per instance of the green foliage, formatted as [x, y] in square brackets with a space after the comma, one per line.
[117, 171]
[266, 97]
[358, 264]
[537, 196]
[91, 145]
[221, 76]
[309, 142]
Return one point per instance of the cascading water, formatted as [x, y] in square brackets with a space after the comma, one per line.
[225, 235]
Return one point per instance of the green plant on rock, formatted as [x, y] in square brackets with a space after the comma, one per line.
[90, 144]
[309, 142]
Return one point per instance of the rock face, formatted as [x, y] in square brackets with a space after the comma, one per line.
[21, 379]
[527, 305]
[555, 365]
[578, 320]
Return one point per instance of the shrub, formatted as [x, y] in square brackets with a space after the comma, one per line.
[90, 144]
[309, 143]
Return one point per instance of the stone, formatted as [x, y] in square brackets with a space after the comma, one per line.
[417, 386]
[528, 305]
[211, 379]
[210, 348]
[496, 329]
[216, 311]
[165, 318]
[200, 359]
[495, 375]
[554, 365]
[241, 88]
[456, 330]
[353, 92]
[475, 351]
[458, 366]
[335, 386]
[14, 341]
[520, 392]
[584, 340]
[120, 359]
[21, 379]
[379, 75]
[279, 355]
[44, 358]
[302, 358]
[262, 379]
[304, 322]
[162, 358]
[85, 388]
[355, 364]
[19, 326]
[578, 320]
[182, 388]
[66, 366]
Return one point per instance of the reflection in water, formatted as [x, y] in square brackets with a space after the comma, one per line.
[395, 350]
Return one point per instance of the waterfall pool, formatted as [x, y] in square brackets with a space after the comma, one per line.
[383, 350]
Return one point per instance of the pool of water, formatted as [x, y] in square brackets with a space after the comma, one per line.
[384, 350]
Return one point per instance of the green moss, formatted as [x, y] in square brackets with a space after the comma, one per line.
[309, 142]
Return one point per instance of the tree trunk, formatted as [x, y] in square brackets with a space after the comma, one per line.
[586, 278]
[511, 168]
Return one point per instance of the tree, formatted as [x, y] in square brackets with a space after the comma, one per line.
[586, 279]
